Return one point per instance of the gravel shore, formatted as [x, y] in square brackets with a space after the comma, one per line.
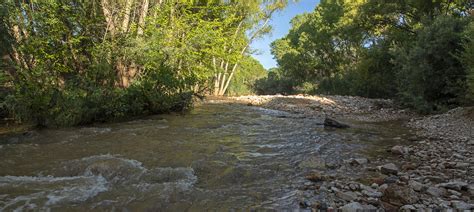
[341, 107]
[434, 171]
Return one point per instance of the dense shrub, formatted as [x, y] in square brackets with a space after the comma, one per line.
[430, 76]
[274, 83]
[383, 49]
[372, 77]
[250, 71]
[75, 62]
[83, 103]
[467, 57]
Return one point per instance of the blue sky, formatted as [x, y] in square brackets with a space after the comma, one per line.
[281, 25]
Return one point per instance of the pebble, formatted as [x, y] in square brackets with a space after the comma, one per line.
[417, 186]
[351, 207]
[460, 205]
[408, 208]
[454, 185]
[436, 166]
[435, 191]
[348, 196]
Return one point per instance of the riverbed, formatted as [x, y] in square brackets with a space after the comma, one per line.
[218, 156]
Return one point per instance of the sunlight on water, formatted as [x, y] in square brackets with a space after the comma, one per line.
[219, 156]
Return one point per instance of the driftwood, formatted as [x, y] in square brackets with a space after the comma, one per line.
[329, 122]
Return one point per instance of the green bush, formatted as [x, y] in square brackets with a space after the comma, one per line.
[250, 70]
[4, 92]
[76, 104]
[275, 83]
[467, 58]
[431, 78]
[372, 76]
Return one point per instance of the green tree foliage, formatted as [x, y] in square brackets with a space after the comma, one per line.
[468, 61]
[75, 62]
[250, 71]
[274, 83]
[385, 49]
[430, 75]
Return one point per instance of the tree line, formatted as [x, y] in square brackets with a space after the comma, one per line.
[418, 52]
[70, 62]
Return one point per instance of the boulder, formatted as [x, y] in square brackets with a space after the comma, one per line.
[329, 122]
[389, 168]
[399, 150]
[398, 196]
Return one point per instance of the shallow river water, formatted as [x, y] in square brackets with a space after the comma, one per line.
[217, 157]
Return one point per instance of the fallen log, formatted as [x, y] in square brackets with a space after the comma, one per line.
[329, 122]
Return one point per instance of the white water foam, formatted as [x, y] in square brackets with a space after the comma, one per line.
[55, 190]
[95, 174]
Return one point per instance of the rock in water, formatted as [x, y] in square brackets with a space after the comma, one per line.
[328, 122]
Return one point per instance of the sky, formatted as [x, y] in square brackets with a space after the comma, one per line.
[281, 25]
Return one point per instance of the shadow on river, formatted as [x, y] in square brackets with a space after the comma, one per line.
[218, 156]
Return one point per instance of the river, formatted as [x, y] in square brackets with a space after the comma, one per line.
[216, 157]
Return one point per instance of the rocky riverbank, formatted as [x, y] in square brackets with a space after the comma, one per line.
[436, 170]
[340, 107]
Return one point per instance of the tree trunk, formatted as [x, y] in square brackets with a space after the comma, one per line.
[142, 17]
[126, 15]
[108, 17]
[226, 83]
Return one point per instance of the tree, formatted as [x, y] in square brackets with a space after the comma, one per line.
[467, 59]
[430, 75]
[73, 62]
[249, 72]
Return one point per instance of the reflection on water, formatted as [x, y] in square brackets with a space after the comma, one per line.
[216, 157]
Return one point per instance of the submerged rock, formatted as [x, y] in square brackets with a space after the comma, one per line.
[313, 163]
